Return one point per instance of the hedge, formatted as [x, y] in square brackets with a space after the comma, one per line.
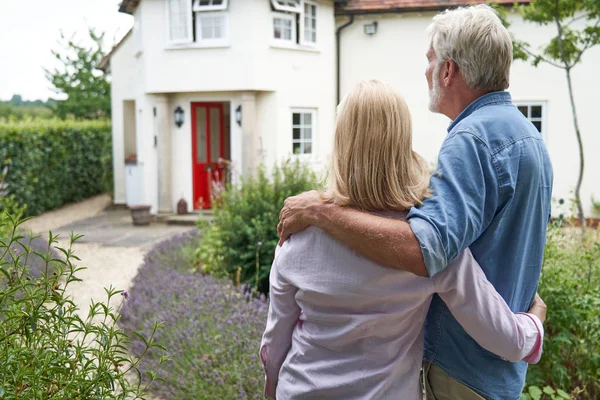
[54, 162]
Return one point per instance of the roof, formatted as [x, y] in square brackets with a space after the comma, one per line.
[105, 62]
[389, 6]
[128, 6]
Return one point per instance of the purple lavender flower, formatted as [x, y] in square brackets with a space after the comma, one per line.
[125, 295]
[259, 244]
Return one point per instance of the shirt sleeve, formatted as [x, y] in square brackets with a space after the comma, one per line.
[465, 199]
[484, 314]
[277, 338]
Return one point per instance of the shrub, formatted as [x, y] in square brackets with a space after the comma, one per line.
[570, 286]
[54, 162]
[46, 349]
[243, 233]
[211, 329]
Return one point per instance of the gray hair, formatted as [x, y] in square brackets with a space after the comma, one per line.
[475, 39]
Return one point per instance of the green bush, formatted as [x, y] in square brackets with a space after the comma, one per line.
[54, 162]
[47, 350]
[570, 286]
[243, 233]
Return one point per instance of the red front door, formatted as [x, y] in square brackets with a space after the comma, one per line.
[207, 149]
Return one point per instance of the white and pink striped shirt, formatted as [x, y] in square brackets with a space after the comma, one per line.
[343, 327]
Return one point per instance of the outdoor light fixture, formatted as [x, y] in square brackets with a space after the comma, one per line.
[370, 29]
[238, 115]
[179, 116]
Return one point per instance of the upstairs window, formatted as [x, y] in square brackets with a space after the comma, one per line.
[205, 22]
[292, 16]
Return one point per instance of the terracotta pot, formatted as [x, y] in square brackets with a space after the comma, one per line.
[141, 214]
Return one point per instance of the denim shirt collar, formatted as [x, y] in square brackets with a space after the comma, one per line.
[485, 100]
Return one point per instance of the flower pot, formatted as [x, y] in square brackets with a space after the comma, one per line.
[141, 214]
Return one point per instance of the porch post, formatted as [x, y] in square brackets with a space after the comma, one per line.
[163, 137]
[249, 135]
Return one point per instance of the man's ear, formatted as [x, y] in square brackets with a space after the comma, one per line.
[449, 73]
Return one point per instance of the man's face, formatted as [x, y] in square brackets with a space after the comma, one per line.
[432, 73]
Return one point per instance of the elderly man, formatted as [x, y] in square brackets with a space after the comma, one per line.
[492, 194]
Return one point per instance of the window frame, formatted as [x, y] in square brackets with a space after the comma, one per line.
[542, 119]
[289, 17]
[280, 7]
[302, 24]
[302, 140]
[196, 7]
[190, 20]
[224, 41]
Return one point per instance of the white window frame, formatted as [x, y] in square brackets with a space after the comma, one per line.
[219, 7]
[529, 105]
[288, 17]
[190, 33]
[303, 41]
[313, 120]
[224, 41]
[286, 8]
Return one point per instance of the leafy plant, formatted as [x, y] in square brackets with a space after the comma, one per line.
[54, 162]
[570, 285]
[87, 89]
[243, 233]
[535, 393]
[595, 208]
[564, 51]
[212, 330]
[47, 350]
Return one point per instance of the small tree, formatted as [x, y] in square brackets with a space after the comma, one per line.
[86, 88]
[564, 50]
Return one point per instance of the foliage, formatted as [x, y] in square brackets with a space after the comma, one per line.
[595, 208]
[577, 30]
[87, 90]
[243, 233]
[55, 162]
[211, 329]
[8, 204]
[47, 350]
[570, 286]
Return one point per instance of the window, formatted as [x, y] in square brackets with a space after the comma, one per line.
[180, 21]
[210, 5]
[303, 123]
[198, 21]
[535, 113]
[310, 23]
[211, 28]
[284, 27]
[287, 5]
[292, 14]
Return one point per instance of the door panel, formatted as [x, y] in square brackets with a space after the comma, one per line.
[207, 147]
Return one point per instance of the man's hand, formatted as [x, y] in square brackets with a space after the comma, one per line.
[296, 214]
[538, 308]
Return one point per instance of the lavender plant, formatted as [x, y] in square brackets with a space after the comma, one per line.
[212, 330]
[47, 351]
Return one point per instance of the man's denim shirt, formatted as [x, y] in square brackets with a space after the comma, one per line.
[492, 194]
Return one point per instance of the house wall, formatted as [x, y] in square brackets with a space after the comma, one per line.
[396, 54]
[122, 90]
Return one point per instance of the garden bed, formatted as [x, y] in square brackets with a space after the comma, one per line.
[211, 329]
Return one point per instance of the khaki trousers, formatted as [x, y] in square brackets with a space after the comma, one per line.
[440, 386]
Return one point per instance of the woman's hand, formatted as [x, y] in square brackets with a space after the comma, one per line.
[538, 308]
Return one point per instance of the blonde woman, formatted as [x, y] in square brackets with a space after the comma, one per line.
[342, 327]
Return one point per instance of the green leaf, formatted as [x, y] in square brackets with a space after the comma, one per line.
[535, 392]
[563, 394]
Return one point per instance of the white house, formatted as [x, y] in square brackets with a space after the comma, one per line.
[200, 81]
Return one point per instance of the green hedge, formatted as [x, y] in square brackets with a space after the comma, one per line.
[53, 162]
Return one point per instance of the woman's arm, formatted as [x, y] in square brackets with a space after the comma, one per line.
[484, 314]
[277, 338]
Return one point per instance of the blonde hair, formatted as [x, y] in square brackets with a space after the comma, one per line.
[373, 165]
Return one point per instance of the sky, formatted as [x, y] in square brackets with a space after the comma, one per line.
[30, 29]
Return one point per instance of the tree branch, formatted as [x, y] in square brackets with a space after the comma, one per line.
[532, 54]
[589, 43]
[575, 19]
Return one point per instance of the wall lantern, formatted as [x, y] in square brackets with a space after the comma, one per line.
[179, 116]
[370, 29]
[238, 115]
